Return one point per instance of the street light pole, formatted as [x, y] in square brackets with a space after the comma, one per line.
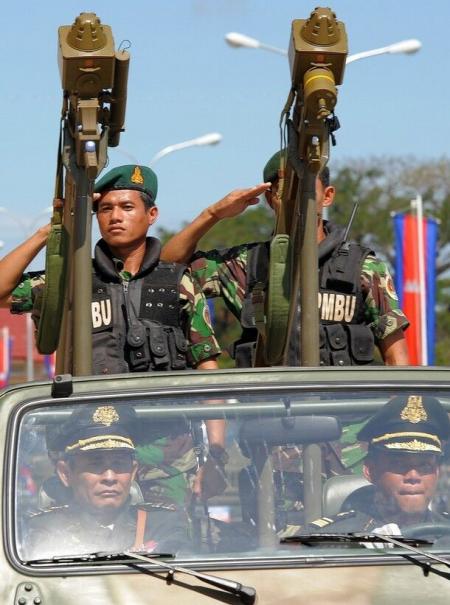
[408, 47]
[237, 40]
[211, 138]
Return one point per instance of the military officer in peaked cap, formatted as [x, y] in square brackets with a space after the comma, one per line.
[405, 443]
[97, 467]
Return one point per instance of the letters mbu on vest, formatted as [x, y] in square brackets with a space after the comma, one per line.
[345, 339]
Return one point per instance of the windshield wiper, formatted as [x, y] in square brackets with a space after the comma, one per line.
[246, 594]
[405, 543]
[95, 557]
[357, 538]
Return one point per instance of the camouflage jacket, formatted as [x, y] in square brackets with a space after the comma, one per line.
[195, 320]
[224, 272]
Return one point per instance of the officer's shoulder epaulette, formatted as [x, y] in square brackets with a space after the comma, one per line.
[155, 506]
[46, 511]
[324, 521]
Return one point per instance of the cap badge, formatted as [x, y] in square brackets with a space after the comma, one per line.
[137, 177]
[414, 411]
[106, 415]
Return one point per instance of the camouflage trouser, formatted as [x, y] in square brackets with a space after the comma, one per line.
[167, 467]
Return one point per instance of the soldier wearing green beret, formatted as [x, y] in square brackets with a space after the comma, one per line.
[147, 315]
[405, 444]
[94, 511]
[355, 314]
[358, 307]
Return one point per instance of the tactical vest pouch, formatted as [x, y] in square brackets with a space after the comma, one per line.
[139, 351]
[340, 358]
[158, 346]
[178, 348]
[361, 343]
[336, 336]
[333, 346]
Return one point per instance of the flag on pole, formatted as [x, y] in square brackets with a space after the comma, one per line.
[415, 282]
[49, 363]
[5, 356]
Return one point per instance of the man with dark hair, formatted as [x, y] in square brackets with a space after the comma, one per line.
[405, 444]
[357, 303]
[147, 315]
[96, 467]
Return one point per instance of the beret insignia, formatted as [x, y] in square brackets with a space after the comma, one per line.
[137, 177]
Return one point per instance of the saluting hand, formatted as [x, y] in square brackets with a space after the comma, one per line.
[237, 201]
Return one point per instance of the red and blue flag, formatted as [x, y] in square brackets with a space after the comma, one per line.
[408, 283]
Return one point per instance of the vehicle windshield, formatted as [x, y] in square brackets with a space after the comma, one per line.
[138, 474]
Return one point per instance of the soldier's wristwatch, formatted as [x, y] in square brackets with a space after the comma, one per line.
[218, 453]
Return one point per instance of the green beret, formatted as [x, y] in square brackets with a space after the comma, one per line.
[139, 178]
[270, 172]
[408, 423]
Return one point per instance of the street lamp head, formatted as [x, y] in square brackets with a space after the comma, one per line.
[211, 138]
[237, 40]
[408, 47]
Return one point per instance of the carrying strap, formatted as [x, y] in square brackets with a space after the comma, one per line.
[52, 300]
[141, 522]
[258, 265]
[278, 297]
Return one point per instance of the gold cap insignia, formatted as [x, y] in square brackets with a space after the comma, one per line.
[137, 177]
[106, 415]
[414, 411]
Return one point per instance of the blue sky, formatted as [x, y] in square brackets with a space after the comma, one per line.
[185, 81]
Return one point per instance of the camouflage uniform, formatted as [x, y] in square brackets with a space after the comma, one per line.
[195, 315]
[223, 273]
[168, 464]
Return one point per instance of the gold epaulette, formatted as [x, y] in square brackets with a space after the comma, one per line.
[48, 510]
[324, 521]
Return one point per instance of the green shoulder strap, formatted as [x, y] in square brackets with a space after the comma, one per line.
[49, 305]
[278, 298]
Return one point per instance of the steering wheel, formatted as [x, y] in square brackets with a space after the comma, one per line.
[422, 530]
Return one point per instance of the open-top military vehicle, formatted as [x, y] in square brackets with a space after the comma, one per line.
[292, 463]
[292, 458]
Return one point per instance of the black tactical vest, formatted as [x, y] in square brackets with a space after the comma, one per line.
[136, 324]
[345, 339]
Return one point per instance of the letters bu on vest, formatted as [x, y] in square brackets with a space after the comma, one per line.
[337, 307]
[101, 313]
